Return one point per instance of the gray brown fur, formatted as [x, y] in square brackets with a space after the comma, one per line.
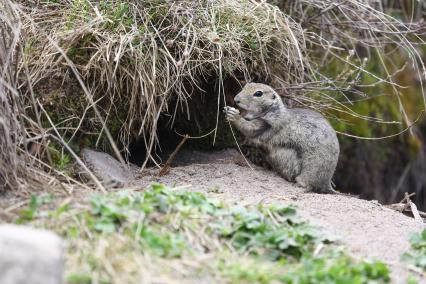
[298, 143]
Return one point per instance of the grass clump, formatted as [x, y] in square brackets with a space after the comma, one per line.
[136, 57]
[168, 235]
[12, 165]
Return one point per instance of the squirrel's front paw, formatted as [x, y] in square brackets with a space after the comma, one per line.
[231, 113]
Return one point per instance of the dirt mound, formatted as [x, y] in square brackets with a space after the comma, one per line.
[366, 228]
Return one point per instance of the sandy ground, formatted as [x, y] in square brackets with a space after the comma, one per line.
[365, 228]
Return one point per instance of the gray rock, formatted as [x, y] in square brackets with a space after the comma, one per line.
[29, 255]
[107, 169]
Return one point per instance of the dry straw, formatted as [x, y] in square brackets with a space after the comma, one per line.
[11, 131]
[137, 56]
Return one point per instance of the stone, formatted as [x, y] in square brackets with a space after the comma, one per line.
[109, 171]
[29, 255]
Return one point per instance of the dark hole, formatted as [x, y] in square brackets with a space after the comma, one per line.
[199, 120]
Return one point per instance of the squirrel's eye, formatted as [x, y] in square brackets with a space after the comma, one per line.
[258, 94]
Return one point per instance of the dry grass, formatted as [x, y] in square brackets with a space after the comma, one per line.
[135, 57]
[11, 131]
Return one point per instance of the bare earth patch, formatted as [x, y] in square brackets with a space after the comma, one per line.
[366, 228]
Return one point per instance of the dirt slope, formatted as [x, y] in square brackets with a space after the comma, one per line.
[366, 228]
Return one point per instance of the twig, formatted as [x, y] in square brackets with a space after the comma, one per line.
[166, 168]
[406, 205]
[59, 139]
[413, 209]
[416, 213]
[407, 197]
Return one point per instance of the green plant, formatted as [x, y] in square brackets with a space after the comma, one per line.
[337, 268]
[412, 280]
[331, 267]
[417, 255]
[60, 159]
[271, 231]
[127, 234]
[31, 212]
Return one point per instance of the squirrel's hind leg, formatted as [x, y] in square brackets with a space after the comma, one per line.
[316, 173]
[286, 162]
[315, 182]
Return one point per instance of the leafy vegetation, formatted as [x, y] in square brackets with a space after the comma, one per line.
[417, 256]
[334, 267]
[162, 231]
[35, 203]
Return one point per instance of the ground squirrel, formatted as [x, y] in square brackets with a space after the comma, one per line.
[298, 143]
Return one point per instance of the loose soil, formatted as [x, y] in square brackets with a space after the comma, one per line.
[366, 228]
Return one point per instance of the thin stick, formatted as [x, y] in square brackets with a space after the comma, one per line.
[75, 156]
[414, 209]
[407, 197]
[166, 168]
[57, 171]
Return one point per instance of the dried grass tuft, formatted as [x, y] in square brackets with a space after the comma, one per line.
[137, 56]
[11, 130]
